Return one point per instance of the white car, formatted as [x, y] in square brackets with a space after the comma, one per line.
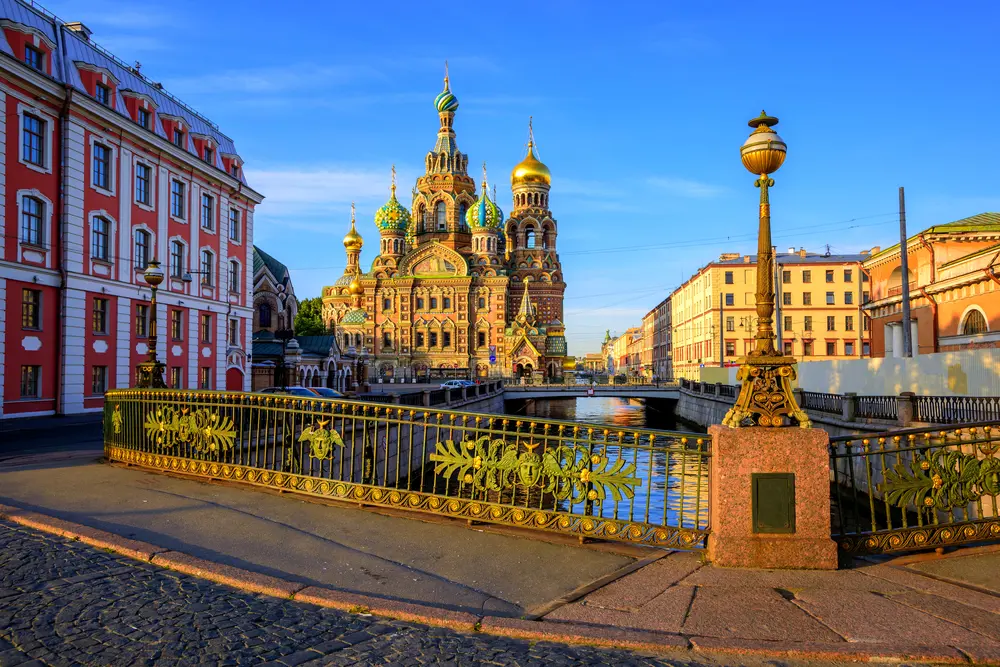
[454, 384]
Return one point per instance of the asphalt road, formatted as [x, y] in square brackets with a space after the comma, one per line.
[46, 435]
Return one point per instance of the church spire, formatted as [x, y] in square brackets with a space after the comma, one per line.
[527, 311]
[352, 245]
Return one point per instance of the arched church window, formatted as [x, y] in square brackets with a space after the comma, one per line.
[974, 323]
[442, 215]
[482, 302]
[529, 239]
[421, 217]
[264, 315]
[462, 210]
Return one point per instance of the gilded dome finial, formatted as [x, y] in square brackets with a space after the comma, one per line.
[353, 240]
[484, 177]
[530, 169]
[392, 188]
[446, 75]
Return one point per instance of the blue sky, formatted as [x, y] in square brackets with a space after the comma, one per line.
[639, 113]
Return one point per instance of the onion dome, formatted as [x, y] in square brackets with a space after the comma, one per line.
[484, 214]
[393, 216]
[446, 101]
[353, 240]
[530, 169]
[355, 287]
[569, 364]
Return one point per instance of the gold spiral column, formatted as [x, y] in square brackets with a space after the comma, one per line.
[766, 397]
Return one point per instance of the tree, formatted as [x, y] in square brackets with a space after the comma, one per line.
[309, 321]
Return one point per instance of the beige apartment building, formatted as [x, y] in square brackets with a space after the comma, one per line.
[818, 311]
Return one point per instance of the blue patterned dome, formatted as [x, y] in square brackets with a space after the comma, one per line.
[484, 214]
[446, 100]
[354, 316]
[392, 216]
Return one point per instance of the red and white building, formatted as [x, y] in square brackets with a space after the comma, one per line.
[101, 171]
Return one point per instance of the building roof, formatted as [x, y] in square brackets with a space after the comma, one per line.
[988, 222]
[261, 259]
[78, 49]
[795, 258]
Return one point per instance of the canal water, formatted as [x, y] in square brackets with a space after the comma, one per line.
[673, 488]
[615, 412]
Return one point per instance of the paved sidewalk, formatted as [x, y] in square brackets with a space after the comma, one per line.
[358, 551]
[887, 605]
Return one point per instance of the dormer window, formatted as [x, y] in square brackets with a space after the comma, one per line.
[102, 94]
[179, 137]
[209, 155]
[236, 170]
[34, 58]
[143, 117]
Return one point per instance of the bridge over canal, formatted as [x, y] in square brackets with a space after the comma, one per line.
[663, 391]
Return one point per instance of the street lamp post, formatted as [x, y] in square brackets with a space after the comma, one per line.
[151, 370]
[766, 397]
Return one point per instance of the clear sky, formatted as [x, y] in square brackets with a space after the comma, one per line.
[639, 111]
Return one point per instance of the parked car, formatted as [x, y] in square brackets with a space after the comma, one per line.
[303, 392]
[469, 383]
[454, 384]
[326, 392]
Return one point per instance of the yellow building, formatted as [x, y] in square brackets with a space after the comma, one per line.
[817, 314]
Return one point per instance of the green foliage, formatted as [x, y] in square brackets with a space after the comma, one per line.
[309, 320]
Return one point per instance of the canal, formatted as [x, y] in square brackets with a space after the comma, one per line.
[614, 412]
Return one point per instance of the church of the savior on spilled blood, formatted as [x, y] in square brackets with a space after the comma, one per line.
[456, 285]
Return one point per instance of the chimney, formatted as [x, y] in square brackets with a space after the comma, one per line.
[864, 253]
[79, 29]
[876, 250]
[802, 253]
[727, 256]
[746, 259]
[791, 251]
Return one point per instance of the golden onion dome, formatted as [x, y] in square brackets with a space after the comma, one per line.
[764, 151]
[569, 364]
[353, 240]
[530, 170]
[355, 287]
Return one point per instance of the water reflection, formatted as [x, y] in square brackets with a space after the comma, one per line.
[674, 485]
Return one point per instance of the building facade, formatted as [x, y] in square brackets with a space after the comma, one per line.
[662, 357]
[103, 172]
[456, 286]
[818, 310]
[954, 289]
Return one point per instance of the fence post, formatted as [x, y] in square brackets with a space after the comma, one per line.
[395, 398]
[427, 398]
[850, 406]
[904, 408]
[447, 396]
[465, 393]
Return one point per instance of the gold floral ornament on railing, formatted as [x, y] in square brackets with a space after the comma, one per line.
[944, 480]
[494, 465]
[203, 429]
[321, 439]
[116, 419]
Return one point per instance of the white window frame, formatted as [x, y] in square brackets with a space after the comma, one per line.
[201, 267]
[201, 213]
[185, 261]
[50, 121]
[186, 198]
[152, 243]
[151, 206]
[112, 189]
[112, 235]
[47, 225]
[238, 273]
[239, 226]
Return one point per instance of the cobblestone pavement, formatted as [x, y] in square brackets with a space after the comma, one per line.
[65, 603]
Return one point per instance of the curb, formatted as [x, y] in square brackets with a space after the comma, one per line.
[551, 631]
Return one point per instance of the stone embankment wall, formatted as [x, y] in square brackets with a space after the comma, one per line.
[708, 410]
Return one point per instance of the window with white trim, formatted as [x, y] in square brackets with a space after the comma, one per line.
[32, 225]
[34, 58]
[100, 238]
[234, 332]
[101, 167]
[142, 238]
[234, 276]
[177, 199]
[102, 94]
[207, 212]
[143, 117]
[33, 141]
[143, 182]
[207, 266]
[176, 259]
[234, 225]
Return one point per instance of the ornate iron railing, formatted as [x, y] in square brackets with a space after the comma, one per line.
[955, 409]
[876, 407]
[636, 485]
[916, 488]
[831, 403]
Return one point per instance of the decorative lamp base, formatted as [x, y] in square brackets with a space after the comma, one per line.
[151, 375]
[766, 394]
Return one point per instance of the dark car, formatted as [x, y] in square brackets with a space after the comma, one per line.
[325, 392]
[303, 392]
